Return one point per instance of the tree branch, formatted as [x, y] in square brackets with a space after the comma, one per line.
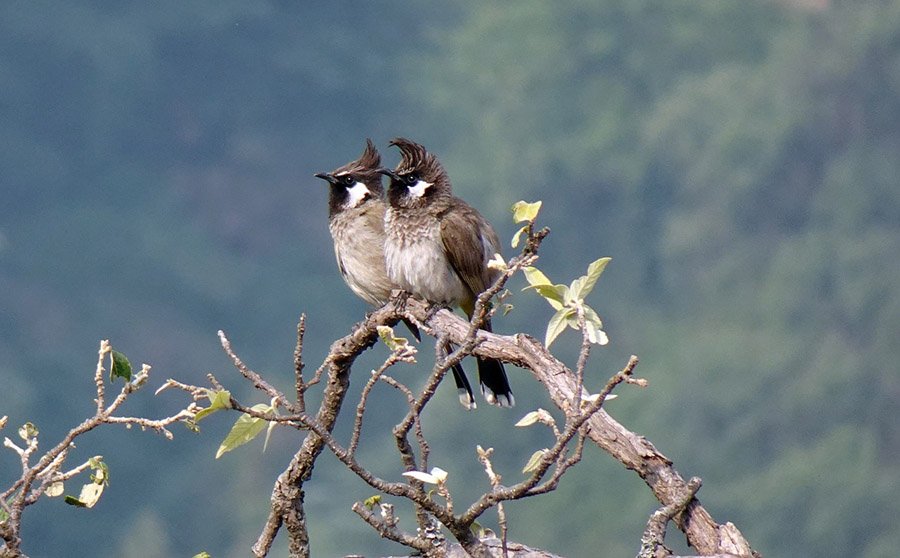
[634, 452]
[287, 494]
[37, 478]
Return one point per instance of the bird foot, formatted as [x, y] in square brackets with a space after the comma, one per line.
[434, 309]
[399, 298]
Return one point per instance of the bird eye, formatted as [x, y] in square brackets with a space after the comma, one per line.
[412, 178]
[348, 180]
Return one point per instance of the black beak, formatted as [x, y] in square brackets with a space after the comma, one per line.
[327, 177]
[390, 173]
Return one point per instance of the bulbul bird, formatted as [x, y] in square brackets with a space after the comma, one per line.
[437, 247]
[356, 221]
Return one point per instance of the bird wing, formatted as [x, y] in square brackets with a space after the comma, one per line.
[469, 242]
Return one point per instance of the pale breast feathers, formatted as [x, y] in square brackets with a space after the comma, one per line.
[357, 245]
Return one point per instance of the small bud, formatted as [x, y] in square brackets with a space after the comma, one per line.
[534, 461]
[539, 415]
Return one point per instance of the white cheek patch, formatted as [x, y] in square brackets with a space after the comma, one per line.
[356, 194]
[418, 190]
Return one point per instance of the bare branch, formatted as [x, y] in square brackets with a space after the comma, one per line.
[299, 386]
[583, 354]
[38, 477]
[387, 527]
[484, 456]
[363, 399]
[585, 419]
[633, 451]
[287, 494]
[655, 534]
[254, 378]
[105, 349]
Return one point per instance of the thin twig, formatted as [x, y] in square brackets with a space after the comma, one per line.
[583, 355]
[105, 349]
[254, 378]
[484, 456]
[363, 399]
[527, 486]
[38, 477]
[424, 449]
[299, 386]
[388, 529]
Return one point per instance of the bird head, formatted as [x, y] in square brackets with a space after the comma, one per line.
[418, 178]
[355, 183]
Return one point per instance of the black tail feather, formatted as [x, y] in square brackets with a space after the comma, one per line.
[413, 328]
[466, 398]
[494, 383]
[493, 380]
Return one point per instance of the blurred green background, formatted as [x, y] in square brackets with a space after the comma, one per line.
[738, 159]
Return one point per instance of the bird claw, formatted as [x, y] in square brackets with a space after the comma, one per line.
[399, 298]
[433, 309]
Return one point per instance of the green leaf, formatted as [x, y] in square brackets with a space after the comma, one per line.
[218, 400]
[245, 429]
[528, 419]
[534, 461]
[55, 489]
[73, 501]
[524, 211]
[101, 470]
[535, 276]
[191, 425]
[594, 326]
[90, 495]
[595, 334]
[120, 367]
[591, 332]
[575, 289]
[555, 295]
[602, 339]
[591, 316]
[202, 413]
[372, 501]
[586, 282]
[518, 236]
[393, 342]
[557, 325]
[203, 554]
[28, 431]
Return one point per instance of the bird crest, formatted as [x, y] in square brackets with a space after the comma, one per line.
[415, 157]
[368, 162]
[370, 158]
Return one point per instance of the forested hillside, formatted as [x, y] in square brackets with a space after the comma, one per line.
[738, 160]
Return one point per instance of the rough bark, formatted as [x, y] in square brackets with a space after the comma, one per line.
[633, 451]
